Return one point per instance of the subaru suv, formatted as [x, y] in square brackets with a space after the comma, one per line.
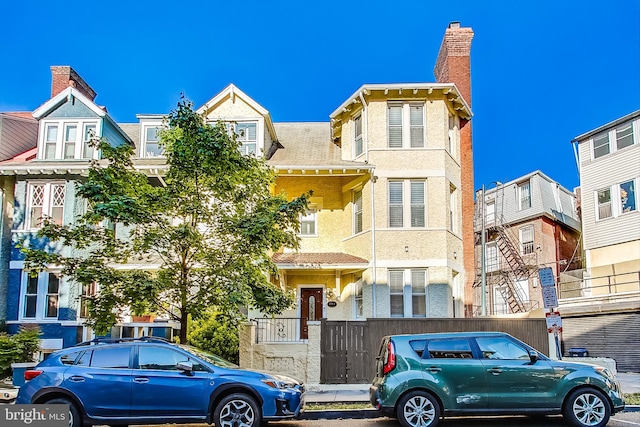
[421, 378]
[149, 381]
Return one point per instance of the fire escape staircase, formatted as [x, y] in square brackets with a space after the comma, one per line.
[517, 271]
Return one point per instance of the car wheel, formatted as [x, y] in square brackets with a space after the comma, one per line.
[587, 408]
[75, 419]
[418, 409]
[237, 409]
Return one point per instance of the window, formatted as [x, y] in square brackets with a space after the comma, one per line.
[88, 290]
[449, 349]
[453, 223]
[247, 134]
[358, 144]
[501, 348]
[68, 140]
[151, 145]
[604, 203]
[601, 145]
[358, 298]
[491, 257]
[45, 199]
[405, 124]
[526, 240]
[417, 208]
[624, 135]
[524, 191]
[357, 211]
[490, 212]
[40, 295]
[396, 293]
[627, 196]
[157, 358]
[408, 292]
[113, 357]
[308, 223]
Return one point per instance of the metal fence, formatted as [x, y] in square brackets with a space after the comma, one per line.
[599, 286]
[279, 329]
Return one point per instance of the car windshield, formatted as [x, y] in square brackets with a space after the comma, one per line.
[209, 357]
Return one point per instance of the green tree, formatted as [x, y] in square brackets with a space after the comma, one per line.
[207, 229]
[20, 347]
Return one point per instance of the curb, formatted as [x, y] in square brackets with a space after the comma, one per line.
[341, 414]
[630, 408]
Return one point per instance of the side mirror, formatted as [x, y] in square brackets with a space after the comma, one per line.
[533, 356]
[186, 367]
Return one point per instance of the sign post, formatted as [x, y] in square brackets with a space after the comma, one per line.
[550, 298]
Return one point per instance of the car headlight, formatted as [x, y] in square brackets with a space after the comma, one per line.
[280, 382]
[604, 371]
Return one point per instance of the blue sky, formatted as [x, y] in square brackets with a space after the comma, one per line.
[543, 71]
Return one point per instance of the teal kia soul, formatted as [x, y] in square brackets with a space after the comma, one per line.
[421, 378]
[149, 381]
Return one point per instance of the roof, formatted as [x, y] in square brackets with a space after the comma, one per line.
[609, 125]
[308, 144]
[318, 260]
[132, 130]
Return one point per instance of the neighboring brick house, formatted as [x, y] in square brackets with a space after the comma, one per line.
[530, 222]
[388, 226]
[602, 307]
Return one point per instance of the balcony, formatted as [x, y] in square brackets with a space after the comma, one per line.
[597, 294]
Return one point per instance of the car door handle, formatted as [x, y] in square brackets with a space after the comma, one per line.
[495, 371]
[434, 369]
[76, 378]
[141, 380]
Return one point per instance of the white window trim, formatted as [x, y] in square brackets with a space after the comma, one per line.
[312, 211]
[62, 125]
[143, 139]
[613, 140]
[520, 199]
[453, 208]
[521, 232]
[407, 291]
[357, 136]
[46, 204]
[41, 298]
[406, 124]
[406, 204]
[616, 206]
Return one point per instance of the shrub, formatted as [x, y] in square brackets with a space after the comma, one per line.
[217, 334]
[20, 347]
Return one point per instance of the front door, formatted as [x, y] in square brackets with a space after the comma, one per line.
[311, 304]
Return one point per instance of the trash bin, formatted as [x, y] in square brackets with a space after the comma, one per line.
[578, 352]
[18, 372]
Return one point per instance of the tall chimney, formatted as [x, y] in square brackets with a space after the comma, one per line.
[454, 66]
[63, 76]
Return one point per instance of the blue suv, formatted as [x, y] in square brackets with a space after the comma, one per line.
[149, 381]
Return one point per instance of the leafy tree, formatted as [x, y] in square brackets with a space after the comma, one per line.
[217, 333]
[205, 232]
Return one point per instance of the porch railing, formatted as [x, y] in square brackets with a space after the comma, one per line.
[600, 286]
[278, 329]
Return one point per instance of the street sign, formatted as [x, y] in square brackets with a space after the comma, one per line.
[548, 287]
[554, 322]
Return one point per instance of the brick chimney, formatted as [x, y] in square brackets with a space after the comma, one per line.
[63, 76]
[454, 66]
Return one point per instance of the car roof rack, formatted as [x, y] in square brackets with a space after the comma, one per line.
[120, 340]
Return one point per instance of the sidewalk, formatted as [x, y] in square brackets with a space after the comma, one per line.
[325, 393]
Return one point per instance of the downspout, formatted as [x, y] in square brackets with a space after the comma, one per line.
[576, 156]
[373, 244]
[365, 141]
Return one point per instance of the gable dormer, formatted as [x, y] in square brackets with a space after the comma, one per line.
[249, 120]
[69, 120]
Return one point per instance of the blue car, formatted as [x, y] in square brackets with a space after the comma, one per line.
[150, 381]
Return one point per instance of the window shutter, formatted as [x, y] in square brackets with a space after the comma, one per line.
[417, 204]
[395, 126]
[395, 204]
[417, 125]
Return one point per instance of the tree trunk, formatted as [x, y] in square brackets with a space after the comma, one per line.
[183, 327]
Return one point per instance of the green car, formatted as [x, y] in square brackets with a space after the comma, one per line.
[421, 378]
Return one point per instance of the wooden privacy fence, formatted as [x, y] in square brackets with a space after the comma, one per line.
[349, 348]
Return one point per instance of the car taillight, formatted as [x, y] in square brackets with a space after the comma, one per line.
[31, 374]
[390, 363]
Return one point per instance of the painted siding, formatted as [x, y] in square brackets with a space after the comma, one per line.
[605, 172]
[112, 134]
[71, 109]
